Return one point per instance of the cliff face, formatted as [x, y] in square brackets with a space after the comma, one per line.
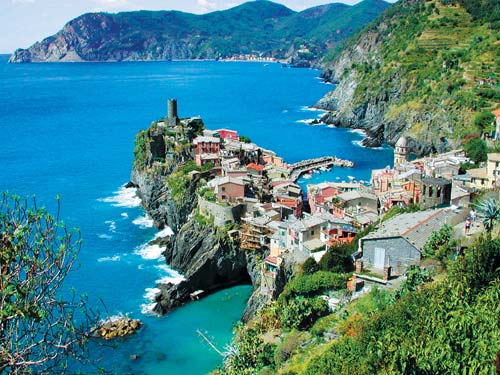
[259, 28]
[415, 71]
[208, 260]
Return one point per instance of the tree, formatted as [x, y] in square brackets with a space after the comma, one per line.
[489, 211]
[476, 149]
[38, 329]
[310, 266]
[484, 121]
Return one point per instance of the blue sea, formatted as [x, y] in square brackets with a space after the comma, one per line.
[68, 130]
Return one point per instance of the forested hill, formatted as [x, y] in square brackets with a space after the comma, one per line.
[428, 69]
[260, 28]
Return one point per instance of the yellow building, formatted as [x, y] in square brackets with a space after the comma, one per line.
[487, 177]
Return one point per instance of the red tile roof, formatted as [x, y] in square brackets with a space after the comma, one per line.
[496, 112]
[255, 166]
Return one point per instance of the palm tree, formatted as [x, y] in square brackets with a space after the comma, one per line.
[489, 211]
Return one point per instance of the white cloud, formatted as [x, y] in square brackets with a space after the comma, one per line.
[112, 5]
[206, 5]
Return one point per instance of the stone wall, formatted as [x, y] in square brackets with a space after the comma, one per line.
[222, 214]
[399, 253]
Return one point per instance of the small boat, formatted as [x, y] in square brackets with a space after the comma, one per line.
[351, 177]
[324, 169]
[307, 176]
[316, 171]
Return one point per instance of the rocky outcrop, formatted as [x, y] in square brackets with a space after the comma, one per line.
[208, 260]
[120, 327]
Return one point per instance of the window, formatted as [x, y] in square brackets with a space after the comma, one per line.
[223, 188]
[312, 233]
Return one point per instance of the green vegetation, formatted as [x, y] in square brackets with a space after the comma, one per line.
[314, 284]
[476, 149]
[140, 149]
[488, 210]
[396, 210]
[440, 244]
[437, 66]
[41, 329]
[245, 139]
[432, 324]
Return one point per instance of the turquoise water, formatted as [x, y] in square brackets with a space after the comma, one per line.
[68, 130]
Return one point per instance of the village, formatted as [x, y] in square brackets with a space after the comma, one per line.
[254, 193]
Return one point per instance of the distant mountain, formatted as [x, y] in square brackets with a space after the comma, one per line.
[427, 69]
[258, 28]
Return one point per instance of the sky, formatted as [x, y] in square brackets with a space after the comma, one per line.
[24, 22]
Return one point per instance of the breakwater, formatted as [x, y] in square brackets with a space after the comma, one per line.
[304, 166]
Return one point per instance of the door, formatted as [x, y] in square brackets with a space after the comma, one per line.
[379, 261]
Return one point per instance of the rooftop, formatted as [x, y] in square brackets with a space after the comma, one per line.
[206, 139]
[225, 180]
[255, 166]
[356, 194]
[436, 181]
[415, 227]
[493, 156]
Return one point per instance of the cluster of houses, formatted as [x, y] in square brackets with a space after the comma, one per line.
[252, 187]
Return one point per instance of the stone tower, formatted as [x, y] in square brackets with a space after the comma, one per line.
[172, 112]
[401, 151]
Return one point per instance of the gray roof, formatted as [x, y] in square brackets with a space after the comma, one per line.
[415, 227]
[356, 194]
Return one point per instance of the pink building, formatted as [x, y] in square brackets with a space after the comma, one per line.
[228, 189]
[207, 150]
[224, 134]
[207, 145]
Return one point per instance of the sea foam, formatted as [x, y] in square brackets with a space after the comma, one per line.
[143, 222]
[149, 252]
[172, 277]
[114, 258]
[165, 232]
[150, 295]
[125, 197]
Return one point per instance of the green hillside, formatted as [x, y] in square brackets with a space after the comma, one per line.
[432, 67]
[259, 28]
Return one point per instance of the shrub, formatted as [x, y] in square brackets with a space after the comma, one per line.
[310, 266]
[310, 285]
[289, 345]
[337, 259]
[301, 312]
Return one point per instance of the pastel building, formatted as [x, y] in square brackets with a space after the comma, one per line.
[207, 150]
[231, 135]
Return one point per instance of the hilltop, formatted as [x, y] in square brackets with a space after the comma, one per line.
[426, 69]
[260, 29]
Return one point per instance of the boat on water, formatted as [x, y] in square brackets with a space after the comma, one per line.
[316, 171]
[307, 176]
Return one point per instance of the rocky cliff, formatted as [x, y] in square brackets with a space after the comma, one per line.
[415, 71]
[257, 28]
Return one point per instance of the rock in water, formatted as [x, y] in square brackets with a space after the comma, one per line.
[113, 328]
